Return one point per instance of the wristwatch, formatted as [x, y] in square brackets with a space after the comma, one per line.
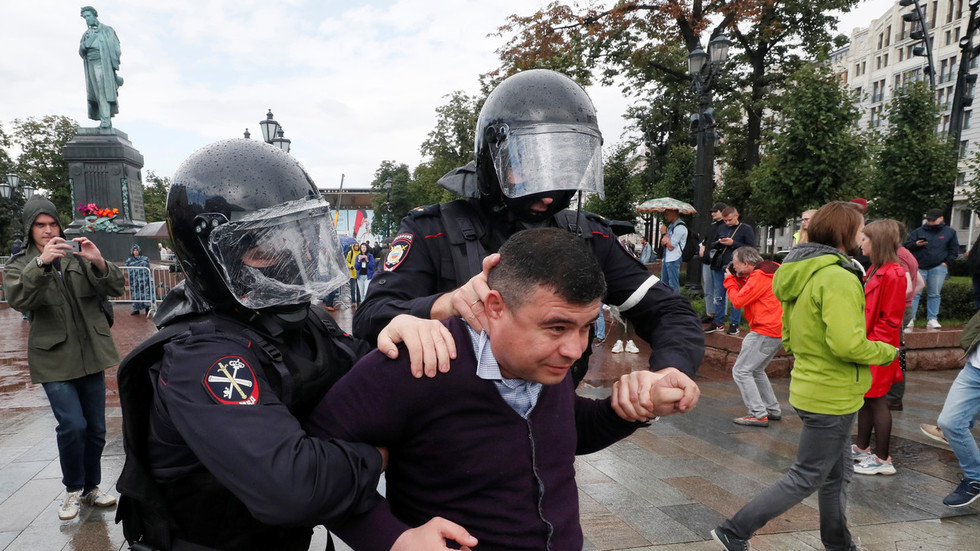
[39, 262]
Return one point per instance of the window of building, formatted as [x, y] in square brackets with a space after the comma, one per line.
[888, 36]
[935, 12]
[901, 54]
[885, 61]
[965, 216]
[881, 39]
[949, 37]
[949, 12]
[964, 148]
[956, 34]
[898, 82]
[967, 119]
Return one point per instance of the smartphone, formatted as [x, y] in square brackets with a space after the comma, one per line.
[75, 246]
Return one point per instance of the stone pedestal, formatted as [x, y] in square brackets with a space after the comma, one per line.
[104, 168]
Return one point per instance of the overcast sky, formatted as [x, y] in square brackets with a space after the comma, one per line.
[352, 83]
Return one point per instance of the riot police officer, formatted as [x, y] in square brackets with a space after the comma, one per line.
[537, 143]
[214, 404]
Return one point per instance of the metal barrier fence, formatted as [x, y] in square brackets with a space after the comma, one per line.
[160, 281]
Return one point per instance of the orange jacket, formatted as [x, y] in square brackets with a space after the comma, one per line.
[754, 295]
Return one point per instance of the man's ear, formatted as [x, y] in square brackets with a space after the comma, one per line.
[495, 305]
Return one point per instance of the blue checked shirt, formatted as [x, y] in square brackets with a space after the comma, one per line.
[519, 394]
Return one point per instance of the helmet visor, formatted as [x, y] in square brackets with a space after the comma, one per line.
[549, 157]
[282, 255]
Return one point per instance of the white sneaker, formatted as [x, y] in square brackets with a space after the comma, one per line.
[98, 498]
[631, 348]
[911, 324]
[69, 507]
[873, 465]
[859, 455]
[618, 347]
[933, 324]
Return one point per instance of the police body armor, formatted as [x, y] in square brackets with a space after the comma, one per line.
[195, 507]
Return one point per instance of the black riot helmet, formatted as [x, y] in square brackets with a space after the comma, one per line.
[536, 137]
[250, 230]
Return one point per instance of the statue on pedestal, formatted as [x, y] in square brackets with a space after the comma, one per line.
[100, 53]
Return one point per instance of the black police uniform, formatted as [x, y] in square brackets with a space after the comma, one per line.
[420, 267]
[221, 460]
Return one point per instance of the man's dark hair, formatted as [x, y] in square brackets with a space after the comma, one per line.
[552, 258]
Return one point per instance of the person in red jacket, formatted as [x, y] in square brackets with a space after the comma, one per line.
[749, 286]
[884, 305]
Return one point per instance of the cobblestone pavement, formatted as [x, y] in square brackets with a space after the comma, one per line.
[662, 489]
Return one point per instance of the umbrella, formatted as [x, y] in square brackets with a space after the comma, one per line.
[666, 203]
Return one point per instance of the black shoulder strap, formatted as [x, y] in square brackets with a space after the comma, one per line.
[465, 231]
[573, 221]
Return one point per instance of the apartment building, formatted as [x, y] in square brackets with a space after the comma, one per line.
[880, 59]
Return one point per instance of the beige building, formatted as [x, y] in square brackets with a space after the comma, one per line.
[879, 59]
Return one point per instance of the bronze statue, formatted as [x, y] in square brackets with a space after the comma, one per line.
[100, 52]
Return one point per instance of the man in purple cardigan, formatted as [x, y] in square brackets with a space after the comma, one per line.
[491, 445]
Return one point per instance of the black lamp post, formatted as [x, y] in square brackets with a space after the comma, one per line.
[272, 132]
[924, 49]
[965, 83]
[387, 188]
[8, 190]
[704, 69]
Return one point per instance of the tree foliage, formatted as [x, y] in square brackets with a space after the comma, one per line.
[155, 197]
[915, 164]
[449, 145]
[620, 183]
[390, 205]
[814, 152]
[41, 162]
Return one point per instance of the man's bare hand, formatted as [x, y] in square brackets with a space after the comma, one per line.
[467, 301]
[431, 536]
[430, 344]
[643, 395]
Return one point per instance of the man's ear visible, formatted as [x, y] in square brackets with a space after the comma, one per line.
[495, 305]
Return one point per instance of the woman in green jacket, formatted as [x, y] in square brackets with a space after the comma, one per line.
[69, 346]
[824, 328]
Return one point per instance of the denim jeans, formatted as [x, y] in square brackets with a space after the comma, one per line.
[79, 408]
[670, 273]
[362, 285]
[721, 300]
[600, 325]
[958, 416]
[749, 373]
[823, 464]
[935, 277]
[708, 285]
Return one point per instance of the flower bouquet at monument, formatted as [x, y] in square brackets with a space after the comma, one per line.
[98, 219]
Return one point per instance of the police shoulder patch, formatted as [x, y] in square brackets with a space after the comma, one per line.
[231, 381]
[400, 246]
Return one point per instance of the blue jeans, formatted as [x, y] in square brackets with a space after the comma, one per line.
[935, 277]
[721, 300]
[670, 273]
[823, 464]
[958, 416]
[707, 285]
[600, 325]
[79, 408]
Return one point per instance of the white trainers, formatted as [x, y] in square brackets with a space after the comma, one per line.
[911, 324]
[933, 324]
[857, 454]
[873, 465]
[631, 348]
[98, 498]
[618, 347]
[69, 507]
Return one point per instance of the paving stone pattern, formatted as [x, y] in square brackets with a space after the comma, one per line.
[661, 489]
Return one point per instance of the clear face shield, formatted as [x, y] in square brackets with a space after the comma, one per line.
[279, 256]
[547, 157]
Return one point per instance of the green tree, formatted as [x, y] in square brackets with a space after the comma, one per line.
[449, 145]
[814, 153]
[620, 184]
[10, 209]
[41, 162]
[155, 197]
[390, 205]
[915, 164]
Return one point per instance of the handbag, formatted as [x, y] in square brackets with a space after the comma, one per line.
[106, 307]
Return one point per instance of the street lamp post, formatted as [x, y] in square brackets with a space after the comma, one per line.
[387, 187]
[272, 132]
[704, 69]
[962, 97]
[8, 190]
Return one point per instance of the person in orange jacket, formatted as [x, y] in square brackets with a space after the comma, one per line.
[749, 286]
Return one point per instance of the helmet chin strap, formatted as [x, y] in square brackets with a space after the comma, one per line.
[281, 319]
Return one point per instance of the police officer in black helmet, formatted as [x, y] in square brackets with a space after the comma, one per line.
[537, 144]
[214, 404]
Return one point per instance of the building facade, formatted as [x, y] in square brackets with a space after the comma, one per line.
[880, 59]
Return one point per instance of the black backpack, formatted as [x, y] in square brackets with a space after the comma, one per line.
[691, 245]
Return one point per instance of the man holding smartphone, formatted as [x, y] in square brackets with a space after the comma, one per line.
[935, 246]
[61, 283]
